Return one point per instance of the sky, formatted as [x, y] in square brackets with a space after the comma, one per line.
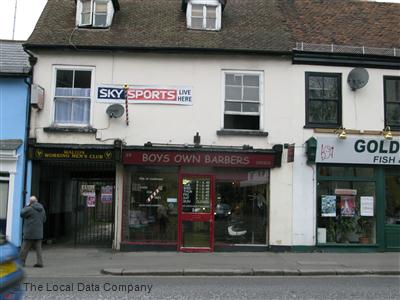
[28, 12]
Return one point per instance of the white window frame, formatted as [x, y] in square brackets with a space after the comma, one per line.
[95, 2]
[80, 11]
[205, 4]
[5, 178]
[8, 165]
[261, 98]
[109, 14]
[92, 94]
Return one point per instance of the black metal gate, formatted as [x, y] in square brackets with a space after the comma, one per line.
[94, 212]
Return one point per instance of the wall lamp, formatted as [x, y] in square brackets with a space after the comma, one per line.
[196, 140]
[387, 134]
[342, 134]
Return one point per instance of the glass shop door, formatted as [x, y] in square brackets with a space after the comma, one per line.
[196, 213]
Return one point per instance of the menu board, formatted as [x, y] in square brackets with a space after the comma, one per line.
[203, 191]
[195, 194]
[187, 193]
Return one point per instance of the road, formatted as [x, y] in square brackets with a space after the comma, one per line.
[103, 287]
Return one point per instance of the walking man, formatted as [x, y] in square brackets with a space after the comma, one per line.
[34, 216]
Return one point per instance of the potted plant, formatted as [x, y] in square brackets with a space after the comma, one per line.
[344, 226]
[364, 228]
[331, 231]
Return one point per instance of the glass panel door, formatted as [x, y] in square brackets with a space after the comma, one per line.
[196, 213]
[392, 226]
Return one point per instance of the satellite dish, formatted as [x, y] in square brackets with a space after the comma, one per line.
[358, 78]
[115, 110]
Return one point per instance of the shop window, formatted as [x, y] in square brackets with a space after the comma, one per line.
[392, 101]
[323, 99]
[4, 179]
[392, 191]
[151, 205]
[241, 207]
[204, 15]
[242, 100]
[95, 13]
[346, 206]
[72, 98]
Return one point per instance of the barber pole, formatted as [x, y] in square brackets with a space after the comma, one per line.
[126, 88]
[154, 194]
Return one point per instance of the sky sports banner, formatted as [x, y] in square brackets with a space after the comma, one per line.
[371, 151]
[181, 95]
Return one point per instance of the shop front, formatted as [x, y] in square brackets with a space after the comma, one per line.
[358, 194]
[196, 200]
[76, 185]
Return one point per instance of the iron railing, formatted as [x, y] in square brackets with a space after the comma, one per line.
[332, 48]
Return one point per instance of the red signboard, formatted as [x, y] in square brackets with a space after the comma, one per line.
[211, 159]
[152, 94]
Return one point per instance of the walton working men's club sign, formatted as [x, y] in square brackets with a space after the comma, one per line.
[374, 151]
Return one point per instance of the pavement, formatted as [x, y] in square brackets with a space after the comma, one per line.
[69, 262]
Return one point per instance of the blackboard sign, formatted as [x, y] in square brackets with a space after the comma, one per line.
[196, 195]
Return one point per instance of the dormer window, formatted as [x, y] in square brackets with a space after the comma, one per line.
[95, 13]
[204, 14]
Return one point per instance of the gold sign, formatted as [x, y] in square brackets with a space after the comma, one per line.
[73, 154]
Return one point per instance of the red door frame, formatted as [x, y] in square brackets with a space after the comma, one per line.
[196, 217]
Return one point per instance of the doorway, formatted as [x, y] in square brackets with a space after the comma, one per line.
[94, 212]
[4, 186]
[196, 213]
[392, 215]
[78, 198]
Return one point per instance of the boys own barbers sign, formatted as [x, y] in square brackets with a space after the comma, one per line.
[181, 95]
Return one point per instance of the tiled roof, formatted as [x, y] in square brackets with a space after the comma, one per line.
[13, 59]
[247, 26]
[344, 22]
[10, 144]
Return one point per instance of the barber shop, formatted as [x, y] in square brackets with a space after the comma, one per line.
[196, 199]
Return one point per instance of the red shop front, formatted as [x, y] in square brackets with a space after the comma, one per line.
[196, 199]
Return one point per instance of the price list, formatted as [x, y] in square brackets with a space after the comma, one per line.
[187, 191]
[203, 191]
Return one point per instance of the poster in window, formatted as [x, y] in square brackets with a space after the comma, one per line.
[367, 206]
[88, 189]
[347, 206]
[91, 200]
[106, 194]
[328, 206]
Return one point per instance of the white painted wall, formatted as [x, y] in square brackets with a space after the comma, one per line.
[292, 192]
[281, 212]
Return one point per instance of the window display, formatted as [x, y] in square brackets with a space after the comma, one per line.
[346, 204]
[392, 184]
[241, 208]
[150, 206]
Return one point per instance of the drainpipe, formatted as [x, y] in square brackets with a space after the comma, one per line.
[28, 82]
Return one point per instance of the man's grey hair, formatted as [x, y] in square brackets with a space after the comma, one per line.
[33, 199]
